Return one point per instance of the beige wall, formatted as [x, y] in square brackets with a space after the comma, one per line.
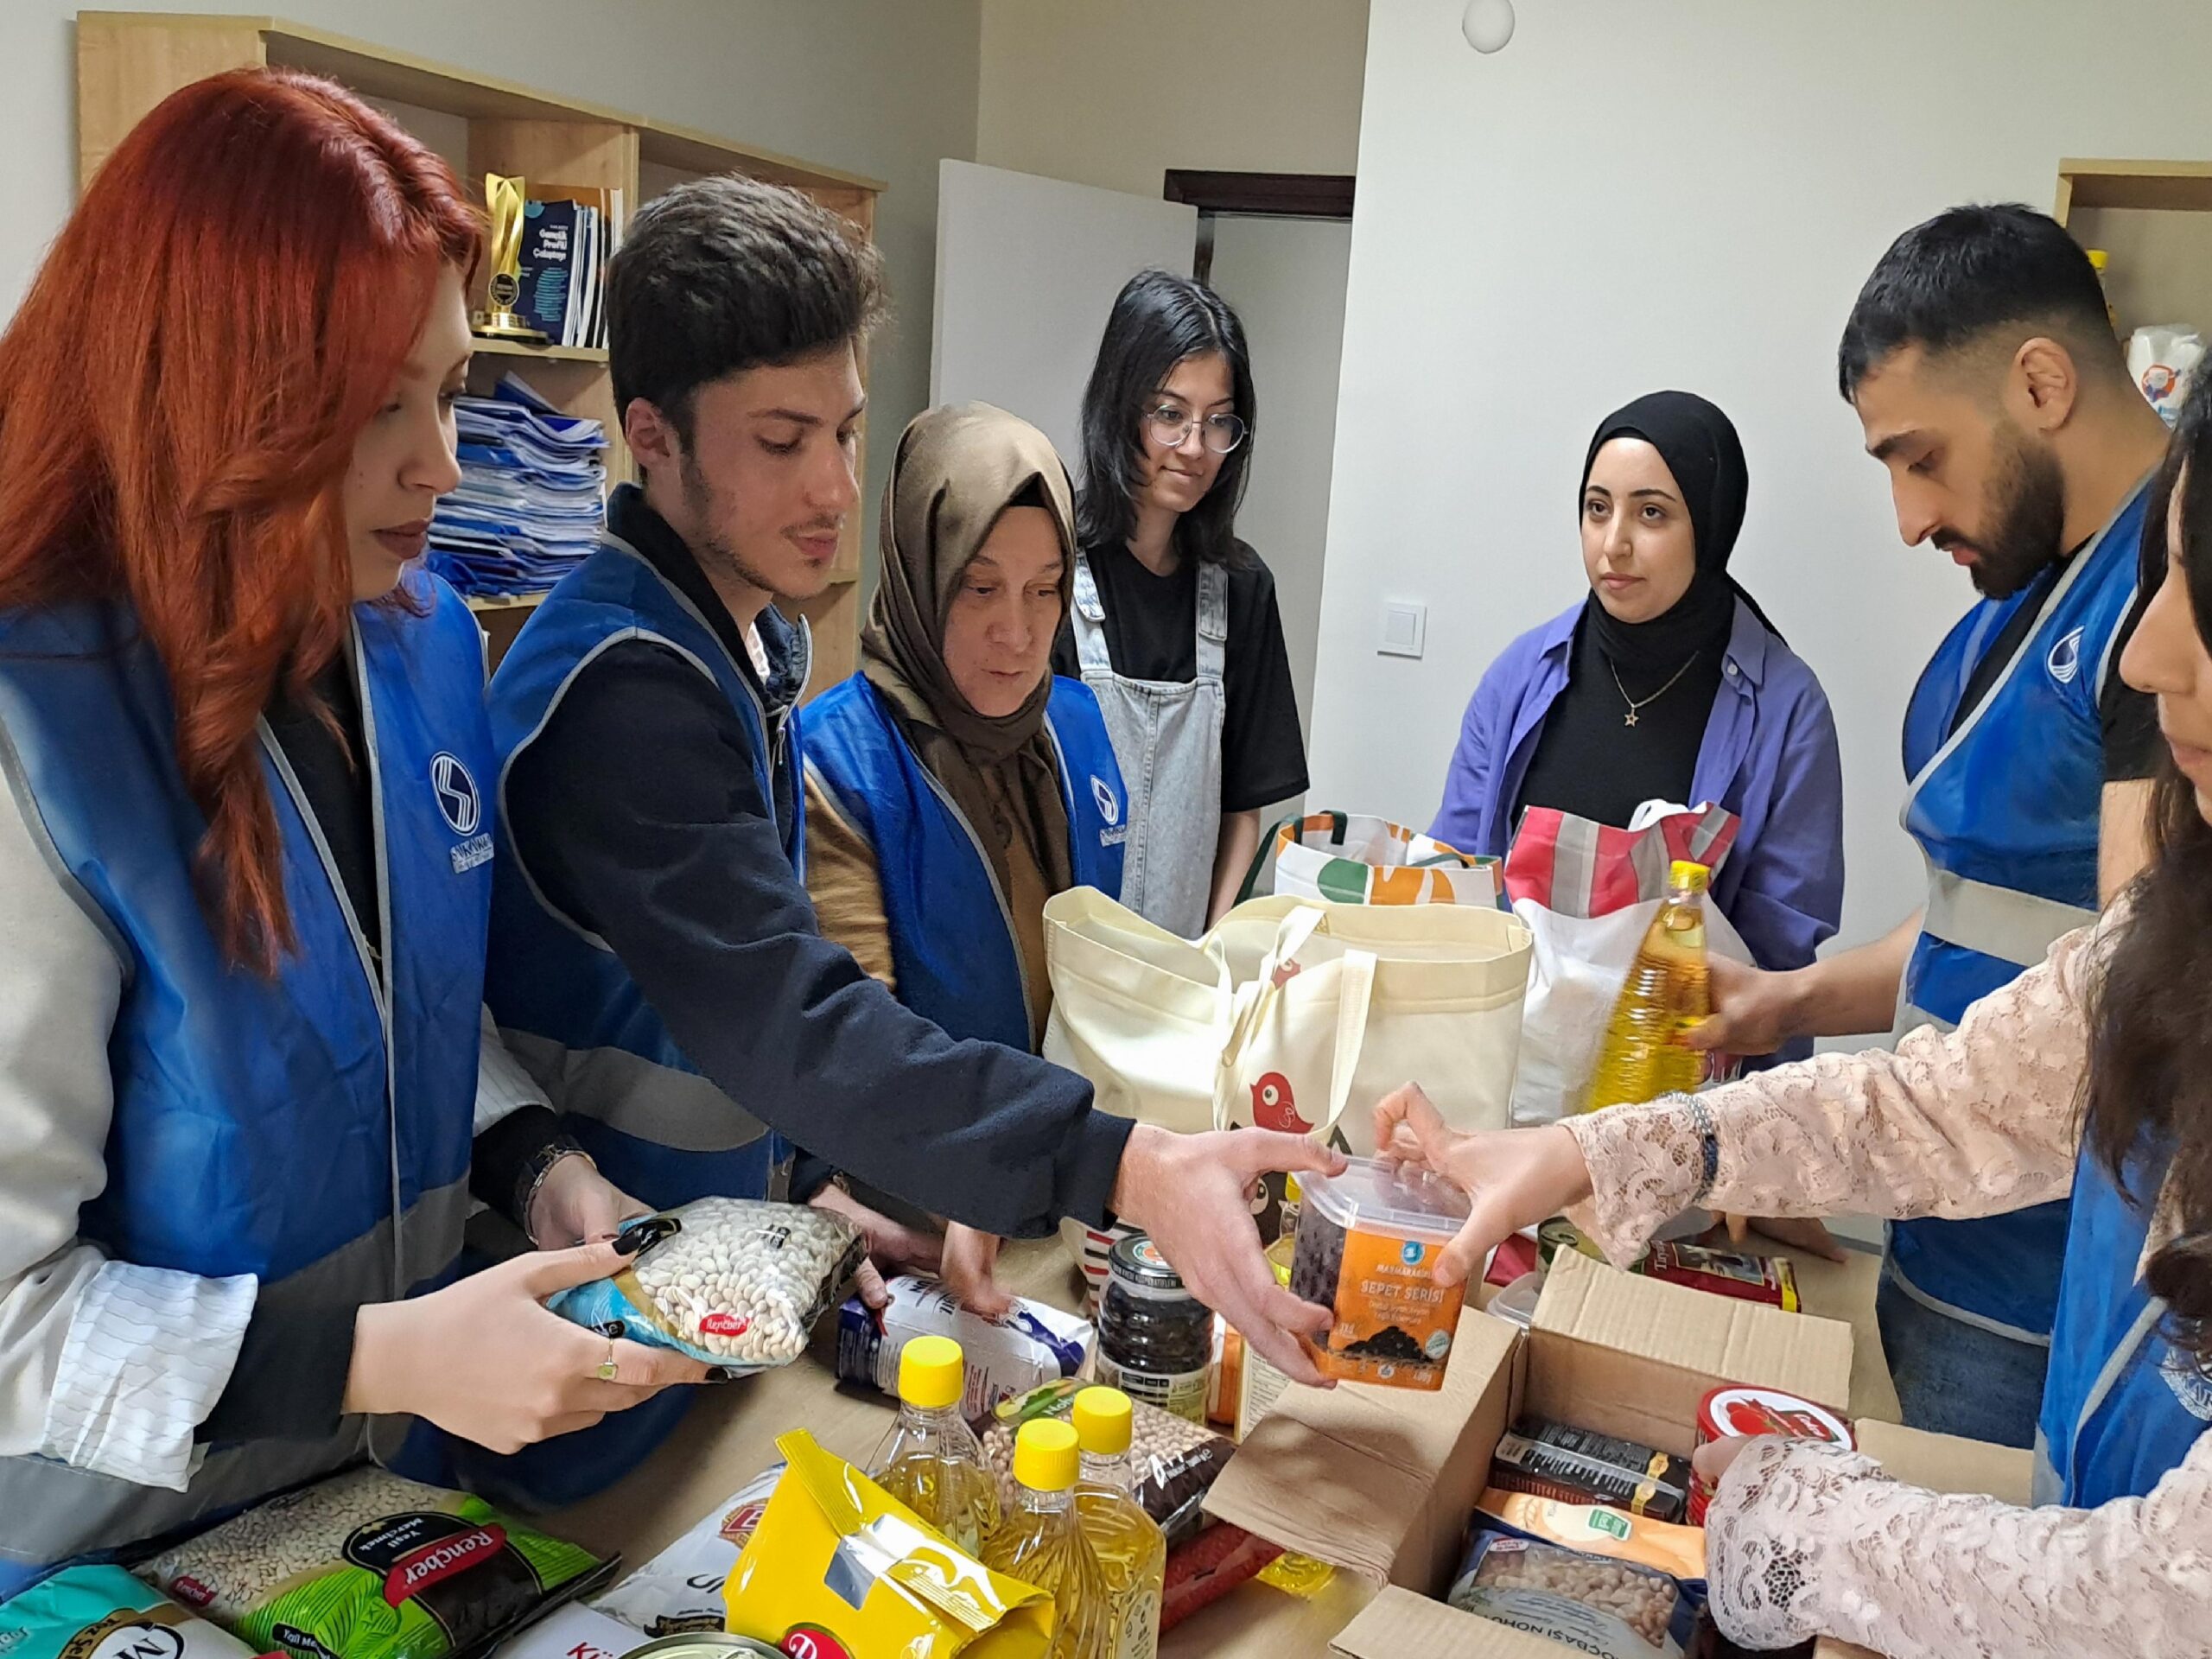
[882, 87]
[1113, 93]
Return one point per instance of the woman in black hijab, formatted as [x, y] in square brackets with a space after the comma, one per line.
[1666, 682]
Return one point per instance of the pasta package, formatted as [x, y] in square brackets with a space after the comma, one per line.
[1585, 1601]
[103, 1612]
[368, 1566]
[734, 1283]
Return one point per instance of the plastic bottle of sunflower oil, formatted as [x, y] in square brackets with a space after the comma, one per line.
[1040, 1542]
[930, 1461]
[1669, 991]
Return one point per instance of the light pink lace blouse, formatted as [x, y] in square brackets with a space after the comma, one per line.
[1805, 1541]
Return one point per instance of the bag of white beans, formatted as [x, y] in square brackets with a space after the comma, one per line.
[368, 1566]
[736, 1282]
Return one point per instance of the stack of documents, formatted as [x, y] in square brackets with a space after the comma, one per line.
[533, 495]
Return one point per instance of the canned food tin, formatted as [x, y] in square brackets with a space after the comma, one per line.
[704, 1644]
[1738, 1410]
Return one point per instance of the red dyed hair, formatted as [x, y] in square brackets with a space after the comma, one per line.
[179, 395]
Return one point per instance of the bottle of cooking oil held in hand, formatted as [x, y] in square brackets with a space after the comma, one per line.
[1039, 1541]
[930, 1461]
[1132, 1550]
[1669, 991]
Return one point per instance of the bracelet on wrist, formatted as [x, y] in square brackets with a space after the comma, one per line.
[541, 1165]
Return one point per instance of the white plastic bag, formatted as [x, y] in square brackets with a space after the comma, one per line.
[2164, 357]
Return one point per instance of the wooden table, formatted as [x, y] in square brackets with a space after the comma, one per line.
[729, 1437]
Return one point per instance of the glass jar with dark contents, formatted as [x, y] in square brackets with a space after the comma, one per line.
[1155, 1339]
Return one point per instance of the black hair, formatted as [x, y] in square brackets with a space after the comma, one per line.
[2149, 1074]
[1949, 282]
[726, 274]
[1158, 321]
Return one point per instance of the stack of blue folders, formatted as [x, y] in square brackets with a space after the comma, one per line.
[533, 495]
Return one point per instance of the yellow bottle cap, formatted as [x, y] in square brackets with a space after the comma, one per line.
[1684, 873]
[1102, 1421]
[2098, 258]
[1047, 1458]
[932, 1373]
[1290, 1189]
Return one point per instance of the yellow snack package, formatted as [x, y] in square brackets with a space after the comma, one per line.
[840, 1569]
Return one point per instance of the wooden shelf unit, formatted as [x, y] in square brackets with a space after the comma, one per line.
[128, 61]
[2154, 219]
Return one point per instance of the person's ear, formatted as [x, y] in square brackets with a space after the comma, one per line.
[651, 436]
[2047, 382]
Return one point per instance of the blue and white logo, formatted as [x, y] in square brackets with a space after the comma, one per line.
[2065, 660]
[1109, 804]
[1411, 1252]
[458, 801]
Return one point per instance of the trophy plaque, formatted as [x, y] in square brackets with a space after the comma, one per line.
[504, 196]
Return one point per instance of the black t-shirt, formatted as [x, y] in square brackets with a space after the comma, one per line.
[1152, 633]
[1591, 762]
[2130, 718]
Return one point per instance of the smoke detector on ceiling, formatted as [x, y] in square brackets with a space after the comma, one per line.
[1488, 24]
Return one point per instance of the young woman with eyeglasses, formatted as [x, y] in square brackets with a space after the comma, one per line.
[1174, 623]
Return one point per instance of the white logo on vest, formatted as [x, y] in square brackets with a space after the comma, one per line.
[2065, 660]
[456, 793]
[1109, 806]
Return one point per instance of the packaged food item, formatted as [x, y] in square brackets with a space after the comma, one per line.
[2164, 357]
[1739, 1409]
[1596, 1529]
[1204, 1570]
[839, 1567]
[1516, 1303]
[736, 1282]
[1040, 1543]
[1297, 1575]
[579, 1632]
[103, 1612]
[1155, 1339]
[1581, 1601]
[930, 1460]
[1225, 1380]
[1667, 991]
[1175, 1461]
[1259, 1384]
[1579, 1465]
[1367, 1245]
[1033, 1345]
[1132, 1551]
[367, 1566]
[680, 1590]
[705, 1645]
[1767, 1279]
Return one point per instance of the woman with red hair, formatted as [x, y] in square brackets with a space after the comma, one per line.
[244, 845]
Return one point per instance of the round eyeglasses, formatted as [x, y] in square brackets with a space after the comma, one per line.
[1170, 427]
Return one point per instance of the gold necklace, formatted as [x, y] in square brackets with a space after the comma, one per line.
[1634, 704]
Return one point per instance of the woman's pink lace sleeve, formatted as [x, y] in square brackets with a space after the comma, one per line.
[1805, 1541]
[1970, 1123]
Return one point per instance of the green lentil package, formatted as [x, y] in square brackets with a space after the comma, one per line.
[367, 1566]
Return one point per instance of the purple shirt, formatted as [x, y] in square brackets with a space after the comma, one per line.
[1770, 756]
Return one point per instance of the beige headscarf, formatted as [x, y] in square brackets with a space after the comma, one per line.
[957, 469]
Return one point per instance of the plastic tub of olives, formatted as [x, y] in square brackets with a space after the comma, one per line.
[1368, 1242]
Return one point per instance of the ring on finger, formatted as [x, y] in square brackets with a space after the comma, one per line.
[610, 1368]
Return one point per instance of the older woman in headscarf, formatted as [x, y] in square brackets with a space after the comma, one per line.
[954, 785]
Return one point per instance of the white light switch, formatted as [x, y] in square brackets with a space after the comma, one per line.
[1405, 629]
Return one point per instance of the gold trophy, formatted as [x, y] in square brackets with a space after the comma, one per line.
[504, 196]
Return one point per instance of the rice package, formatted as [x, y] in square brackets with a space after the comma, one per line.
[680, 1590]
[367, 1566]
[733, 1283]
[103, 1612]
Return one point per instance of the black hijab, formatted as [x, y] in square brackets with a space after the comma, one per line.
[1700, 448]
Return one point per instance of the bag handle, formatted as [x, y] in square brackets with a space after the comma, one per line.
[1355, 999]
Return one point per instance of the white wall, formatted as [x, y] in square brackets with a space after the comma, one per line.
[1286, 277]
[865, 86]
[1633, 196]
[1113, 93]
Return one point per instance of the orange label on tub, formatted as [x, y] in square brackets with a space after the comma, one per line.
[1394, 1323]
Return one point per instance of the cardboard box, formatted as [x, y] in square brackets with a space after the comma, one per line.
[1382, 1482]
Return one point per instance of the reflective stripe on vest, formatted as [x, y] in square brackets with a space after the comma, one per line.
[280, 1128]
[567, 1005]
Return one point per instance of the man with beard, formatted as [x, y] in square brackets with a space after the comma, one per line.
[1984, 371]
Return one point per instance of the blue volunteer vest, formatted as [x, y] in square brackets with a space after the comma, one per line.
[313, 1130]
[568, 1007]
[952, 940]
[2006, 812]
[2120, 1406]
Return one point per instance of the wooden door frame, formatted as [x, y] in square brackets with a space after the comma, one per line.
[1254, 195]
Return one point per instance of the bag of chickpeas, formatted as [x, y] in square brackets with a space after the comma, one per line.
[734, 1283]
[1597, 1580]
[368, 1566]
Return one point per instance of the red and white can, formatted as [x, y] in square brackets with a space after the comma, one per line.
[1741, 1409]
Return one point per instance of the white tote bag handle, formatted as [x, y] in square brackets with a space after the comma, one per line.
[1356, 996]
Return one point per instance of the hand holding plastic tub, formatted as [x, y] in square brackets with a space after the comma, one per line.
[1191, 1193]
[1513, 1177]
